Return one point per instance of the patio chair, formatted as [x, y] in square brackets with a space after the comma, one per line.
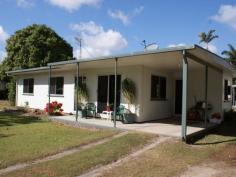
[90, 110]
[120, 111]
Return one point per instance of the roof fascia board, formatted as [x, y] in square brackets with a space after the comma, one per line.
[172, 49]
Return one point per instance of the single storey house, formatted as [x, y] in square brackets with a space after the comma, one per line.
[169, 82]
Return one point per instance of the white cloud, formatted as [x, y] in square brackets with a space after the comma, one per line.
[123, 17]
[176, 45]
[119, 15]
[25, 3]
[3, 35]
[97, 41]
[227, 15]
[72, 5]
[211, 48]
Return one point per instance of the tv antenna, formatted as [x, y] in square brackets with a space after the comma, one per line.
[151, 46]
[79, 42]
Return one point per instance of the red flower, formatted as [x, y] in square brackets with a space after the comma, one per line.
[51, 110]
[59, 105]
[53, 107]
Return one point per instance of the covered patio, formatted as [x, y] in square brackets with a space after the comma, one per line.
[199, 71]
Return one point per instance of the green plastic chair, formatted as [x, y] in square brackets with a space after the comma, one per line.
[90, 108]
[120, 111]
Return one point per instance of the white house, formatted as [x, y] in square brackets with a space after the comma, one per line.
[168, 81]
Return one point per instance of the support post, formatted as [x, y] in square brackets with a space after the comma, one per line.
[184, 97]
[77, 87]
[206, 94]
[49, 88]
[115, 92]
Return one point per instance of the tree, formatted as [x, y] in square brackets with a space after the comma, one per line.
[207, 38]
[33, 46]
[230, 54]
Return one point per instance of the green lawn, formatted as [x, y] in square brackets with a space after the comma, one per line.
[26, 138]
[173, 158]
[30, 138]
[81, 162]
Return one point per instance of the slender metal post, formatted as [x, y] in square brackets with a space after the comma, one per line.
[184, 97]
[49, 88]
[115, 92]
[77, 87]
[206, 94]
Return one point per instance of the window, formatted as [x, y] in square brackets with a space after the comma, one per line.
[227, 90]
[158, 88]
[56, 85]
[28, 85]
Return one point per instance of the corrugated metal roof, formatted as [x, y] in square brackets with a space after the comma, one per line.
[217, 59]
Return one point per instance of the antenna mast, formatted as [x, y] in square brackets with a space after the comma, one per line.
[79, 42]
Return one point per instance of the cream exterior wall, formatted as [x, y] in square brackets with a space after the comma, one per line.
[144, 108]
[39, 98]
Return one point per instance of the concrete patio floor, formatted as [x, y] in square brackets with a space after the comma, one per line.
[166, 127]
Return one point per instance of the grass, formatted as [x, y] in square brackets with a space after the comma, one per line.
[168, 159]
[173, 158]
[27, 138]
[81, 162]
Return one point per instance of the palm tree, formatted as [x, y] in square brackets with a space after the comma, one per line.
[207, 38]
[230, 54]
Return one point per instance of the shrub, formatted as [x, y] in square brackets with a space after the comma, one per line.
[11, 86]
[229, 115]
[54, 108]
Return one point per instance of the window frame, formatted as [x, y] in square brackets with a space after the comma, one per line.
[54, 86]
[227, 90]
[27, 87]
[162, 82]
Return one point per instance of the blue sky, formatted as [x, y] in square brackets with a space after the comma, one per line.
[110, 27]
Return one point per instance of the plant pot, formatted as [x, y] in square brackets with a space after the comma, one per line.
[81, 113]
[129, 118]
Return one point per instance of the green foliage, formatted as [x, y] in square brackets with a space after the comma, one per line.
[82, 93]
[33, 46]
[11, 86]
[230, 54]
[207, 37]
[128, 90]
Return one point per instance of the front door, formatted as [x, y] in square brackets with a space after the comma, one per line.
[178, 97]
[106, 92]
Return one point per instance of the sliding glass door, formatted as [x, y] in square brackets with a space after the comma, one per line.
[106, 92]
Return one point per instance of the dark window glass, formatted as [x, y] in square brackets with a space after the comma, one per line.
[56, 85]
[28, 85]
[158, 88]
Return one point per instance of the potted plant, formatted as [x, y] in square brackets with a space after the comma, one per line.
[82, 99]
[129, 93]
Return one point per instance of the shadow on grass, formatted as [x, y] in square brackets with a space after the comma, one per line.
[225, 133]
[14, 118]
